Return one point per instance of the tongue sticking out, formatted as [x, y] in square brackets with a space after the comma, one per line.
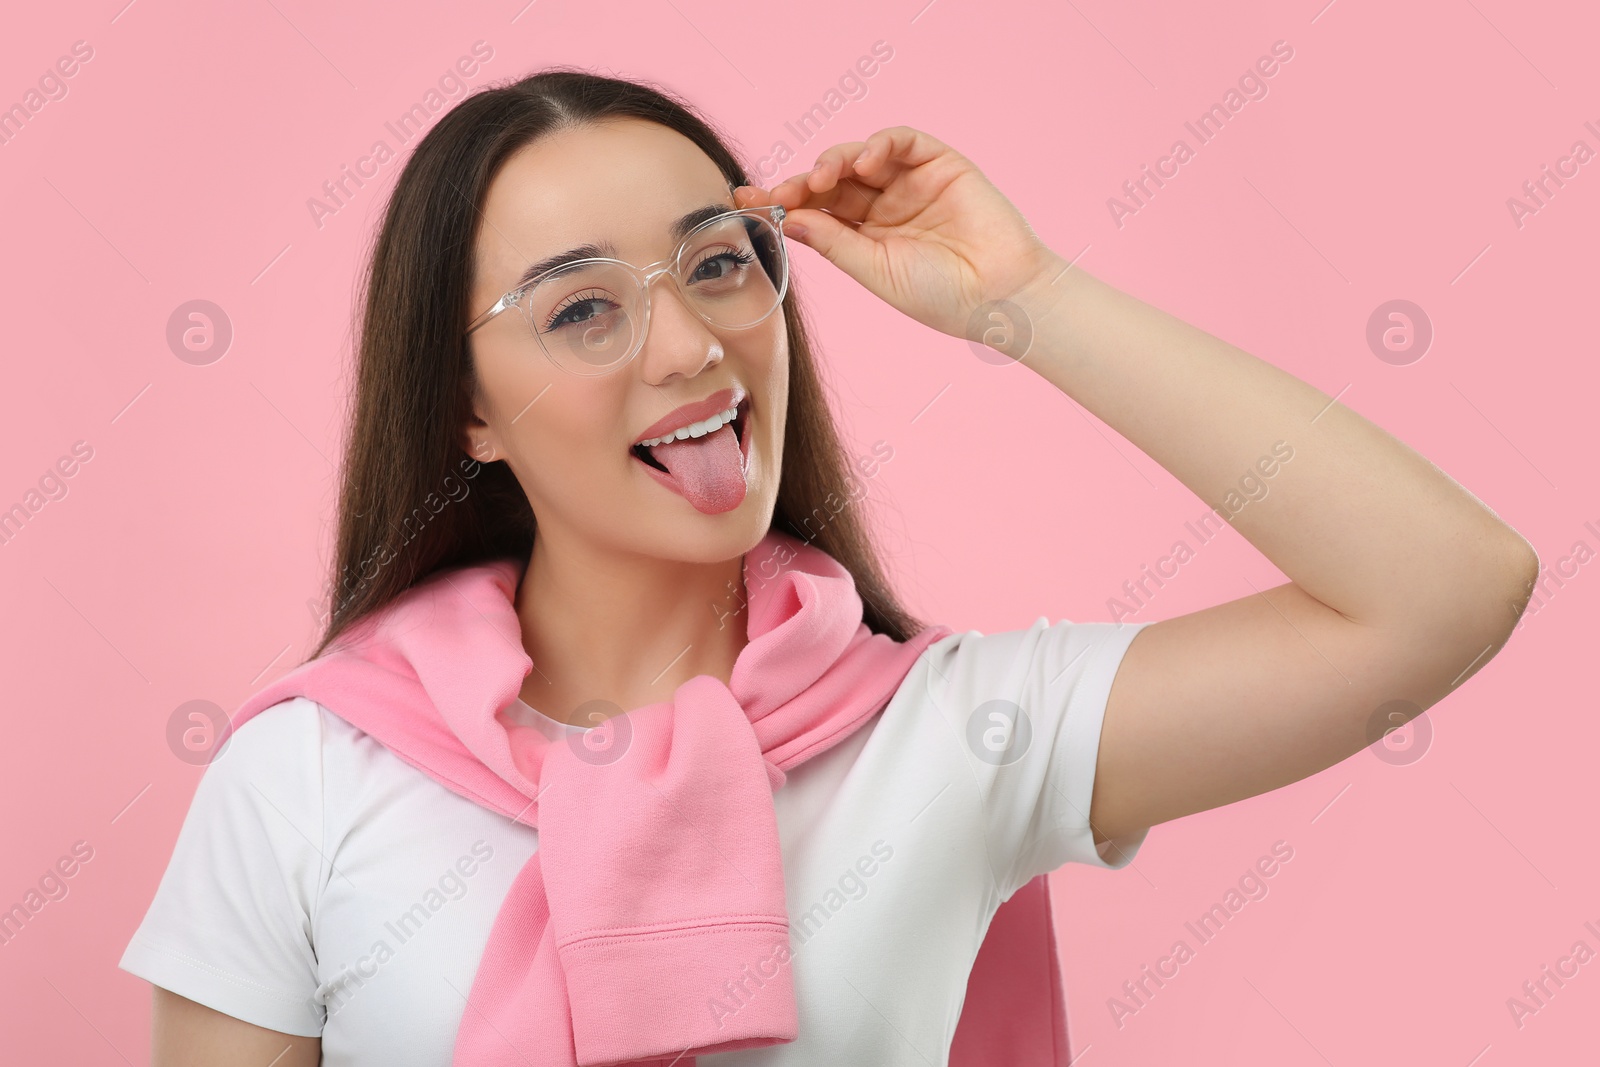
[707, 470]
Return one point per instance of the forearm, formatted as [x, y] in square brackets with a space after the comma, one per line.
[1356, 518]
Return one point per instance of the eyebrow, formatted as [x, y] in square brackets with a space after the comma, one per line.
[679, 230]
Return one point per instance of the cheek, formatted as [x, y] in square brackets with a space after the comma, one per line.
[778, 366]
[509, 375]
[770, 353]
[541, 414]
[567, 433]
[779, 345]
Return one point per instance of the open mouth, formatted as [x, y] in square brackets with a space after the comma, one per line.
[645, 456]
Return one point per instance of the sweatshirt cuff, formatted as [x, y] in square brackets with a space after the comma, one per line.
[668, 991]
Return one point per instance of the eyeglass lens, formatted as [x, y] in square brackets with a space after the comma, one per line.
[590, 317]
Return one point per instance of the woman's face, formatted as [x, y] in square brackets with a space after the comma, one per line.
[568, 438]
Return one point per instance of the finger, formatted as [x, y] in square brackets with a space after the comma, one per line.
[901, 146]
[848, 177]
[798, 189]
[849, 199]
[836, 241]
[751, 196]
[793, 193]
[833, 165]
[830, 166]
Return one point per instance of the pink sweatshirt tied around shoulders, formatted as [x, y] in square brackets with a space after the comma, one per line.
[650, 925]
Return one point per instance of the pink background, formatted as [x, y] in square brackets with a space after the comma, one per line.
[179, 564]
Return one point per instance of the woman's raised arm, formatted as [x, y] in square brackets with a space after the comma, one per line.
[1401, 583]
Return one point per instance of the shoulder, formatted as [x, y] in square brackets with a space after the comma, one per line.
[284, 726]
[1046, 661]
[230, 925]
[289, 738]
[302, 758]
[291, 771]
[1002, 731]
[1028, 706]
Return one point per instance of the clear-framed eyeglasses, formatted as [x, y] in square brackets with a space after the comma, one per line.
[591, 316]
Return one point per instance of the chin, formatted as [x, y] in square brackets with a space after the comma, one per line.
[699, 538]
[679, 531]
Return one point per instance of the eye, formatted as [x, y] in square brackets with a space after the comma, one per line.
[578, 308]
[722, 264]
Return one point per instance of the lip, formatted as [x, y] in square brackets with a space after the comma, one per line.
[745, 444]
[700, 410]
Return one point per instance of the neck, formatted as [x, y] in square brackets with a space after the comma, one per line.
[623, 628]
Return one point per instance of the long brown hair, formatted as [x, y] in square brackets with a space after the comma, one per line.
[411, 501]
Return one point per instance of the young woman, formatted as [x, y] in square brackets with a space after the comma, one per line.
[592, 470]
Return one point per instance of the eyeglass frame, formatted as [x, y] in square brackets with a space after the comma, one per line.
[647, 275]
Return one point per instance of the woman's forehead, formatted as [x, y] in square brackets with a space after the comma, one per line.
[618, 182]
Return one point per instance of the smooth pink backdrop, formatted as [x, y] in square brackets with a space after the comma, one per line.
[180, 561]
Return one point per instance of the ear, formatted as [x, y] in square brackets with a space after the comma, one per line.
[478, 440]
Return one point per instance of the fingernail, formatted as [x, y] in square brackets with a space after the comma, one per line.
[794, 229]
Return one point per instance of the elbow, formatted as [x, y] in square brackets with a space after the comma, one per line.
[1485, 611]
[1432, 652]
[1513, 584]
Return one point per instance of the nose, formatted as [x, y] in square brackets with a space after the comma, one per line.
[677, 340]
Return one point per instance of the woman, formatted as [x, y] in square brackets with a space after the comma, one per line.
[671, 445]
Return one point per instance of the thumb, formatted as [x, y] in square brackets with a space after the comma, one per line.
[837, 242]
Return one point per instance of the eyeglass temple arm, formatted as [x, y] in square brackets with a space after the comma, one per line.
[505, 301]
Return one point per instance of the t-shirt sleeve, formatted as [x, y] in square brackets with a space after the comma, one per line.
[1028, 706]
[230, 925]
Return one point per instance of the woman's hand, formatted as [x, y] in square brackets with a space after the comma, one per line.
[916, 223]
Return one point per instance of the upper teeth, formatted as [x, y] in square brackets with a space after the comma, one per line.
[695, 429]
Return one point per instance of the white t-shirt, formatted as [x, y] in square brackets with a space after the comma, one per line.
[320, 885]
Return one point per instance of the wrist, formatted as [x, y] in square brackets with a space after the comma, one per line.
[1012, 325]
[1042, 292]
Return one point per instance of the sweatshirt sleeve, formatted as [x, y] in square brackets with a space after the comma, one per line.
[1028, 706]
[230, 925]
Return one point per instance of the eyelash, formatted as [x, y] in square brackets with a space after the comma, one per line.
[571, 301]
